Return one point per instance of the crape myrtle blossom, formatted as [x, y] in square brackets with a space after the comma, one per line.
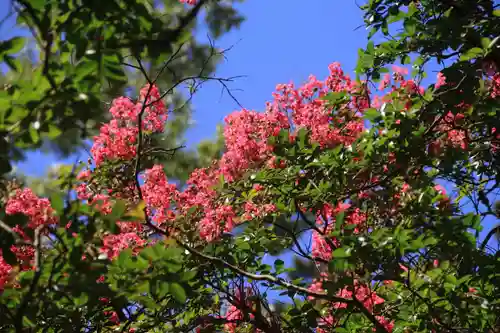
[117, 139]
[117, 142]
[367, 297]
[39, 214]
[248, 137]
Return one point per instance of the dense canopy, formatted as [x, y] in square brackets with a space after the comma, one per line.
[377, 185]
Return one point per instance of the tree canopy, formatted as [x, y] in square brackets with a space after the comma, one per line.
[378, 185]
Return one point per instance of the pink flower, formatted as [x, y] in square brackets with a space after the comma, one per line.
[440, 189]
[234, 312]
[117, 139]
[158, 194]
[385, 82]
[84, 175]
[114, 244]
[441, 81]
[112, 316]
[24, 254]
[495, 85]
[363, 293]
[400, 70]
[102, 203]
[38, 210]
[5, 272]
[388, 325]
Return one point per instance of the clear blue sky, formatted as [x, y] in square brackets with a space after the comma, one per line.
[280, 41]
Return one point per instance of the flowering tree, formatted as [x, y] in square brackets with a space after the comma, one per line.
[376, 183]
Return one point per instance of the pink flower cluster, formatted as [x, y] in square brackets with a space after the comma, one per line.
[247, 135]
[5, 272]
[495, 85]
[234, 313]
[118, 141]
[38, 210]
[401, 88]
[39, 214]
[118, 138]
[325, 222]
[441, 81]
[452, 135]
[359, 292]
[158, 195]
[309, 111]
[189, 2]
[114, 244]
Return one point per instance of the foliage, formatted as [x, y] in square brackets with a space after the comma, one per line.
[381, 190]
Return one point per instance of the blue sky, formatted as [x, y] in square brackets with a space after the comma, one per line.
[280, 41]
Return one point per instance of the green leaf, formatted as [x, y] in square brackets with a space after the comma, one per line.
[366, 60]
[451, 279]
[341, 253]
[335, 97]
[338, 265]
[80, 301]
[410, 26]
[13, 63]
[152, 252]
[496, 12]
[302, 138]
[57, 202]
[119, 209]
[188, 275]
[412, 9]
[371, 114]
[485, 42]
[12, 46]
[471, 54]
[84, 69]
[162, 288]
[35, 137]
[444, 264]
[178, 292]
[472, 220]
[53, 131]
[27, 322]
[113, 69]
[279, 265]
[339, 220]
[124, 257]
[37, 4]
